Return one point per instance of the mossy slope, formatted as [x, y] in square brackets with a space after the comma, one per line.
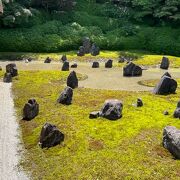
[129, 148]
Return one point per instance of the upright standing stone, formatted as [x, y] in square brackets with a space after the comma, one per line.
[12, 69]
[72, 80]
[177, 111]
[164, 63]
[30, 110]
[171, 140]
[167, 85]
[65, 66]
[66, 96]
[81, 51]
[87, 45]
[63, 58]
[50, 136]
[109, 64]
[95, 50]
[95, 64]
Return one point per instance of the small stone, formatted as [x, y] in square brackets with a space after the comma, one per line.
[48, 60]
[139, 102]
[95, 64]
[94, 115]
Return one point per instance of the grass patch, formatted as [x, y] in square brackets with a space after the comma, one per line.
[130, 148]
[153, 82]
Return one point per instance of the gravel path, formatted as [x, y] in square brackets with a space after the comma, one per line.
[9, 140]
[101, 78]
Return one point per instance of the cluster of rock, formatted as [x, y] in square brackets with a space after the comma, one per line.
[11, 71]
[87, 48]
[166, 85]
[171, 140]
[67, 94]
[132, 70]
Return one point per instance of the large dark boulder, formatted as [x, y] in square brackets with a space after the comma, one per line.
[66, 96]
[95, 50]
[109, 64]
[112, 109]
[166, 85]
[87, 45]
[48, 60]
[95, 64]
[177, 111]
[72, 80]
[30, 110]
[171, 140]
[65, 66]
[63, 58]
[50, 136]
[164, 63]
[12, 69]
[132, 70]
[81, 51]
[7, 78]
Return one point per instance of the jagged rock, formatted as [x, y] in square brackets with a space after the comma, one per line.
[81, 51]
[109, 64]
[166, 74]
[72, 80]
[66, 96]
[50, 136]
[12, 69]
[132, 70]
[164, 63]
[63, 58]
[177, 111]
[87, 45]
[48, 60]
[171, 140]
[94, 115]
[112, 109]
[65, 66]
[167, 85]
[95, 65]
[139, 102]
[95, 50]
[74, 65]
[30, 110]
[7, 78]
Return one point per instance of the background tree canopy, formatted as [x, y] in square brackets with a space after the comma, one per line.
[58, 25]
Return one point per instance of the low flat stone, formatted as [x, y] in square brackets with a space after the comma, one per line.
[94, 115]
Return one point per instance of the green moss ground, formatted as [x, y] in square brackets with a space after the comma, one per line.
[144, 57]
[130, 148]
